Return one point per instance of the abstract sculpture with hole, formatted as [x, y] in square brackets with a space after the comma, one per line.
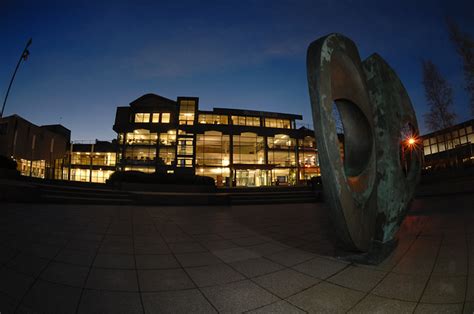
[370, 187]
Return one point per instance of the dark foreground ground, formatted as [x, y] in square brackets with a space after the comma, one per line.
[256, 258]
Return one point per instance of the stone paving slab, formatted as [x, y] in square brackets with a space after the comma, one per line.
[256, 259]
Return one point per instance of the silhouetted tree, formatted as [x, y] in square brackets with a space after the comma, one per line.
[439, 96]
[464, 45]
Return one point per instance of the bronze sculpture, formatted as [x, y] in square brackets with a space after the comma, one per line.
[369, 189]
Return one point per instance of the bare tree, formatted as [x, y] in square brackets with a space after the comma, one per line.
[464, 45]
[439, 96]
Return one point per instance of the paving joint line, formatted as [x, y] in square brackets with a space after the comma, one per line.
[386, 274]
[93, 260]
[431, 272]
[181, 265]
[132, 213]
[468, 253]
[37, 277]
[257, 284]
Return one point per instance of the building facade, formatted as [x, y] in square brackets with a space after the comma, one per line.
[89, 161]
[235, 147]
[38, 150]
[450, 147]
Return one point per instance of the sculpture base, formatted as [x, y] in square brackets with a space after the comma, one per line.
[377, 253]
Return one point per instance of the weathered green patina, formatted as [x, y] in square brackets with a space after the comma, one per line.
[395, 119]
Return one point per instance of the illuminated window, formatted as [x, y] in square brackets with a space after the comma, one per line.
[142, 117]
[456, 142]
[82, 175]
[186, 112]
[100, 176]
[155, 118]
[427, 151]
[140, 168]
[221, 175]
[281, 150]
[212, 149]
[141, 137]
[213, 119]
[81, 158]
[167, 155]
[168, 138]
[140, 155]
[307, 142]
[307, 173]
[103, 159]
[248, 149]
[470, 138]
[121, 137]
[248, 121]
[308, 159]
[184, 162]
[165, 117]
[185, 146]
[281, 141]
[441, 147]
[278, 123]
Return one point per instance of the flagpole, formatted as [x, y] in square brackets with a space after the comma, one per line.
[23, 56]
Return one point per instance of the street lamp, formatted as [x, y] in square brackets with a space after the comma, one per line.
[411, 141]
[24, 56]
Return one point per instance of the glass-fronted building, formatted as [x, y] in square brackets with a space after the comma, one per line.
[450, 147]
[88, 162]
[235, 147]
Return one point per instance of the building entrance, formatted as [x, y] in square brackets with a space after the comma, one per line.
[252, 177]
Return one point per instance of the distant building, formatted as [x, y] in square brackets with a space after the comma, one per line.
[450, 147]
[89, 161]
[38, 150]
[235, 147]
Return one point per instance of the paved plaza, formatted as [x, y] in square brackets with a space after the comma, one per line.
[257, 259]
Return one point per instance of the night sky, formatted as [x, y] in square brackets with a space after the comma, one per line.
[87, 58]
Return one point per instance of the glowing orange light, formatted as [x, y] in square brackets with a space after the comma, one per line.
[411, 141]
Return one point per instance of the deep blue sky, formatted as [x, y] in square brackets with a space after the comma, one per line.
[88, 58]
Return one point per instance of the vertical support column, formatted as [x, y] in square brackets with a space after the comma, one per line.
[90, 162]
[33, 144]
[70, 161]
[157, 151]
[265, 150]
[231, 159]
[194, 151]
[297, 160]
[124, 150]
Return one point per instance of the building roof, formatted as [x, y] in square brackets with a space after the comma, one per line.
[54, 128]
[152, 100]
[257, 113]
[98, 146]
[449, 129]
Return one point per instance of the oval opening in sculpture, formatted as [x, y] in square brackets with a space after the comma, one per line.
[357, 137]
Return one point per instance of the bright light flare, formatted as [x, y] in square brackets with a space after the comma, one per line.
[411, 142]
